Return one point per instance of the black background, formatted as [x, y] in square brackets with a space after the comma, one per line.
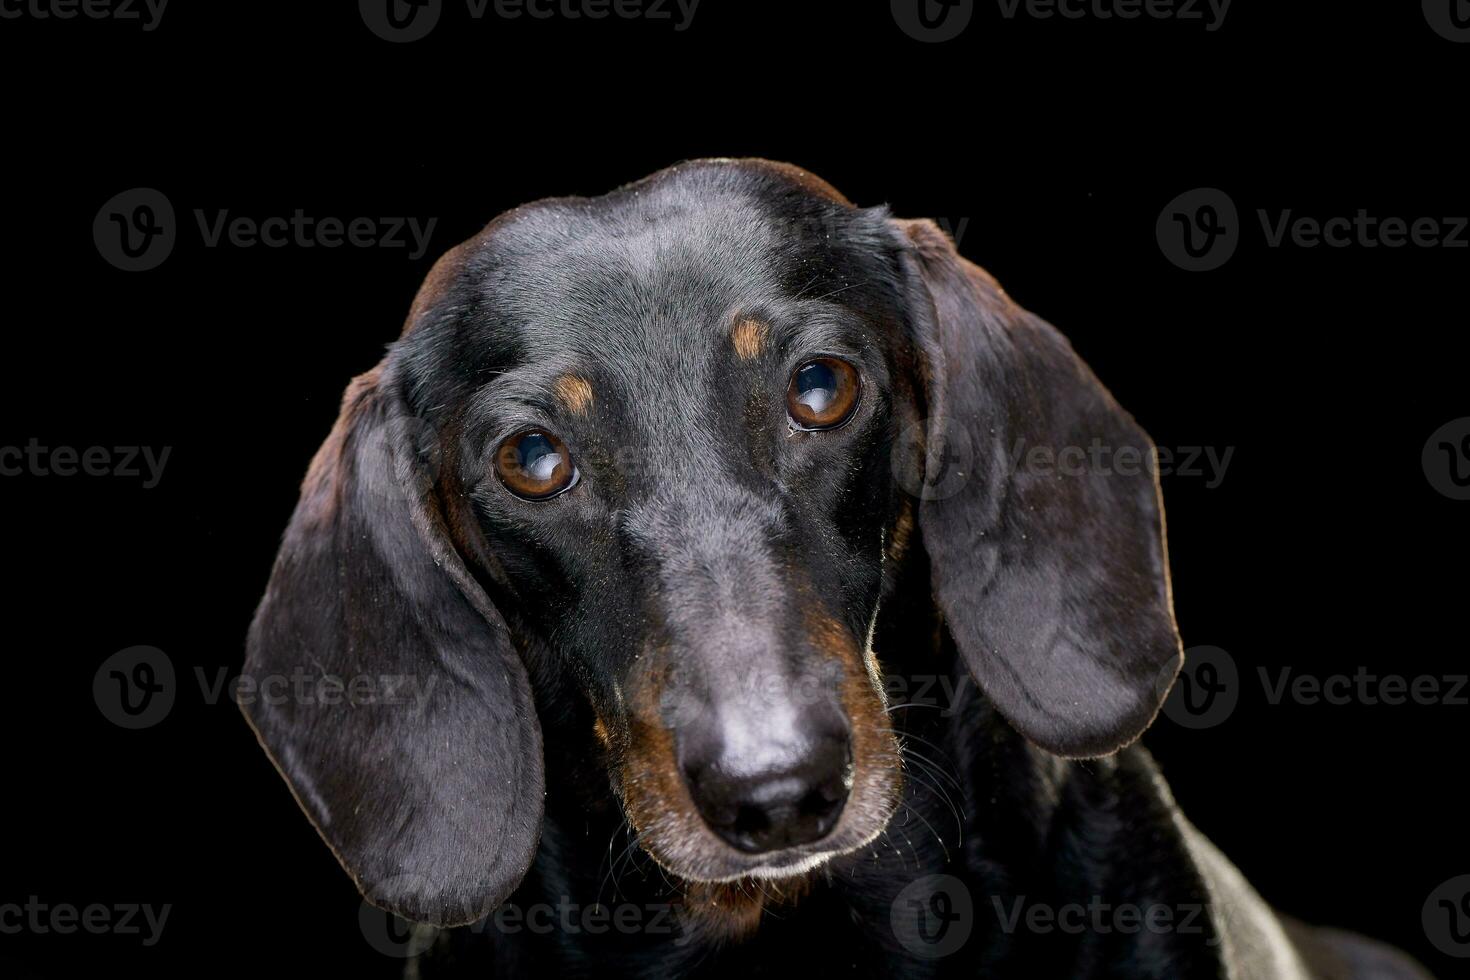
[1059, 142]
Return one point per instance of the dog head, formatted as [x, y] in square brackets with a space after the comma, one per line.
[655, 456]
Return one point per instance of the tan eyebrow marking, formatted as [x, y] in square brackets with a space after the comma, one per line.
[750, 338]
[575, 393]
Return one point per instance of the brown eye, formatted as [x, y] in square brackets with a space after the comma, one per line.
[535, 465]
[822, 394]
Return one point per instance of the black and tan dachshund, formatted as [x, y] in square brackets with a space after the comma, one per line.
[642, 540]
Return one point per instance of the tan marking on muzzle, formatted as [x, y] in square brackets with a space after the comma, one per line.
[877, 768]
[654, 796]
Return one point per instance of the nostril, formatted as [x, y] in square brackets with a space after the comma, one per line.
[750, 823]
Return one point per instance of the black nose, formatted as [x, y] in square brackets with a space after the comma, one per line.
[780, 804]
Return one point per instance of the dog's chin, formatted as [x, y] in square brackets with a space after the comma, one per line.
[726, 892]
[704, 859]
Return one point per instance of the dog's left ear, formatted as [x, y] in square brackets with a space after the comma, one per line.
[1046, 539]
[384, 684]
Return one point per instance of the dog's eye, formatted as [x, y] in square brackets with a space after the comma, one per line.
[535, 465]
[822, 394]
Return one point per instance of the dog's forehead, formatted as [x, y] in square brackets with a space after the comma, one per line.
[641, 270]
[672, 250]
[674, 275]
[664, 280]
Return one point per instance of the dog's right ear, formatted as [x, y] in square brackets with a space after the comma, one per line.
[383, 683]
[1053, 578]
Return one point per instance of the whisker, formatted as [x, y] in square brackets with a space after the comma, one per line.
[633, 857]
[927, 769]
[912, 849]
[934, 764]
[942, 846]
[934, 789]
[611, 861]
[910, 704]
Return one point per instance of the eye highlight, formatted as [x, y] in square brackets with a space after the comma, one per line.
[822, 394]
[535, 465]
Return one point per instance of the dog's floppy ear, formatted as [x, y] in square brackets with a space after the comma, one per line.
[384, 685]
[1040, 512]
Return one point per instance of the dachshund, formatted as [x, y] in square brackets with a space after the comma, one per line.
[665, 505]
